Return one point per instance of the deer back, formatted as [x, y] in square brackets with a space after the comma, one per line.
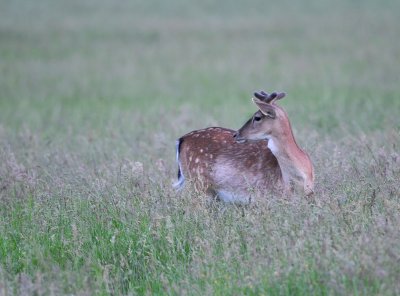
[213, 160]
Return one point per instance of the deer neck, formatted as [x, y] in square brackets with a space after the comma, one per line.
[295, 164]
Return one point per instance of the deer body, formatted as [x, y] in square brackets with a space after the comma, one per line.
[262, 156]
[217, 164]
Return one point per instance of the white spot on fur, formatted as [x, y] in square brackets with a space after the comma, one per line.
[197, 160]
[201, 150]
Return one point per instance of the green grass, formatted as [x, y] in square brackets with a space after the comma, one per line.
[93, 95]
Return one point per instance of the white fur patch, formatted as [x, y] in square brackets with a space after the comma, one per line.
[272, 146]
[179, 184]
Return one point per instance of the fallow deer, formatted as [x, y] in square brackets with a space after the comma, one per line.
[261, 156]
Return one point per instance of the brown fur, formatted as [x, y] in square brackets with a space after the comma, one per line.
[213, 160]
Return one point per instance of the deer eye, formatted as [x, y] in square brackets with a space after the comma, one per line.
[257, 118]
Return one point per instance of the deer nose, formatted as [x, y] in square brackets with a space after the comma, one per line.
[238, 138]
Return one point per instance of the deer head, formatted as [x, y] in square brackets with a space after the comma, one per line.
[267, 122]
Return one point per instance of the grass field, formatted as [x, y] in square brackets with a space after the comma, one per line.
[93, 95]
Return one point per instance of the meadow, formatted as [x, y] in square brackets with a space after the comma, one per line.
[93, 95]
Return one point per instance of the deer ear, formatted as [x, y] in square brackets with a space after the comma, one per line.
[265, 108]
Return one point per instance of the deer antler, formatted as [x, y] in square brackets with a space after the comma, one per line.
[263, 96]
[269, 98]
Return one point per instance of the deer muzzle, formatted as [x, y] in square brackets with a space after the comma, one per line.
[238, 138]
